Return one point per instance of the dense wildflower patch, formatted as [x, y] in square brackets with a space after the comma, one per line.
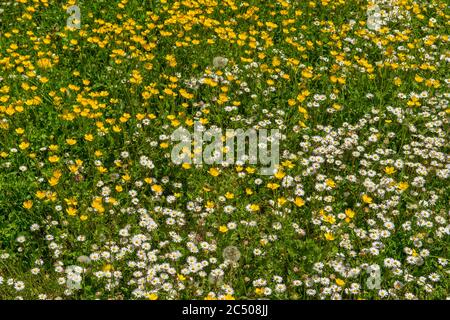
[91, 205]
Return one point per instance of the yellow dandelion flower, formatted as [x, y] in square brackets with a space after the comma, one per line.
[229, 195]
[157, 188]
[71, 211]
[28, 204]
[330, 183]
[367, 199]
[107, 267]
[349, 213]
[273, 186]
[24, 145]
[279, 175]
[403, 186]
[53, 158]
[340, 282]
[214, 172]
[71, 142]
[181, 277]
[299, 202]
[329, 236]
[389, 170]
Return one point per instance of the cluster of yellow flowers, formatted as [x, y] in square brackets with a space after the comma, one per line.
[92, 206]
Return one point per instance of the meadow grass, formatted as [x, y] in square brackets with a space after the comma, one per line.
[91, 205]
